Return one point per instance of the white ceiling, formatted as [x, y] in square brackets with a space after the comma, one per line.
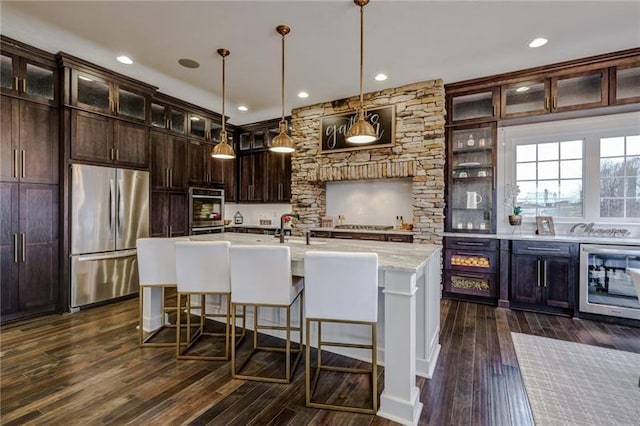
[409, 40]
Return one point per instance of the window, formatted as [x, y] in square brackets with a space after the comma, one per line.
[620, 177]
[549, 176]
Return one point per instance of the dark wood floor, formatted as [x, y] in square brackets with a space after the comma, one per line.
[86, 368]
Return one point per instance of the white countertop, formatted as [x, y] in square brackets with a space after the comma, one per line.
[557, 238]
[391, 256]
[364, 231]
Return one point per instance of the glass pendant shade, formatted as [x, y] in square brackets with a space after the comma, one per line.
[223, 150]
[361, 131]
[283, 142]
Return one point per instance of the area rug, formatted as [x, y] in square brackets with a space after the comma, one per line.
[575, 384]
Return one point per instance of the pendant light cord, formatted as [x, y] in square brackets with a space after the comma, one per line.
[361, 58]
[283, 77]
[223, 84]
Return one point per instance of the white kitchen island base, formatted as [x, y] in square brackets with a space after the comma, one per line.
[409, 312]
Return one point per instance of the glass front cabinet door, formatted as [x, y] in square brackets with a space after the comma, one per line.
[28, 79]
[474, 106]
[625, 84]
[471, 188]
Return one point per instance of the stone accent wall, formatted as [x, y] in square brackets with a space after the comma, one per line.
[418, 152]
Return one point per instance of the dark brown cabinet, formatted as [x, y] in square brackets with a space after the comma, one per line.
[169, 118]
[99, 139]
[470, 268]
[28, 250]
[543, 275]
[278, 177]
[225, 171]
[28, 73]
[474, 106]
[168, 214]
[168, 160]
[28, 142]
[252, 176]
[625, 84]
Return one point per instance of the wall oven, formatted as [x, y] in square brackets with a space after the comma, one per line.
[605, 286]
[206, 210]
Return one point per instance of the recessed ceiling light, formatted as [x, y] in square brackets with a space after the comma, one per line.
[82, 77]
[188, 63]
[125, 60]
[303, 95]
[243, 108]
[522, 89]
[538, 42]
[381, 77]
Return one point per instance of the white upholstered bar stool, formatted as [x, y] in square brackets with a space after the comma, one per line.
[202, 268]
[261, 277]
[157, 271]
[340, 288]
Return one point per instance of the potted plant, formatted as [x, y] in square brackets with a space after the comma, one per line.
[511, 200]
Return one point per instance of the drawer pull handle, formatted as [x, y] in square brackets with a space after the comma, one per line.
[479, 254]
[543, 249]
[462, 243]
[480, 277]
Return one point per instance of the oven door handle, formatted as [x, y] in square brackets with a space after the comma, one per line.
[212, 197]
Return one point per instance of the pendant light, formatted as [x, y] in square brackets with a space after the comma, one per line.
[361, 131]
[223, 150]
[283, 142]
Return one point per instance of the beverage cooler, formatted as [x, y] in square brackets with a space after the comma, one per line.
[606, 287]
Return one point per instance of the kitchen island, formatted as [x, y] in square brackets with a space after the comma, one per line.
[409, 311]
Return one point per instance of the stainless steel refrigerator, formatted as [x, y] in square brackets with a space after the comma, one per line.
[109, 212]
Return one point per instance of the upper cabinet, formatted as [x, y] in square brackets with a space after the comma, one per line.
[599, 81]
[96, 89]
[474, 106]
[625, 84]
[28, 73]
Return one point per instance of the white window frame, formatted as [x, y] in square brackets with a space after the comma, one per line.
[590, 130]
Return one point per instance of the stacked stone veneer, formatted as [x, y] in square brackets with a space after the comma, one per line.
[418, 153]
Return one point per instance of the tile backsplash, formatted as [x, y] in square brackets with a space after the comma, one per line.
[253, 213]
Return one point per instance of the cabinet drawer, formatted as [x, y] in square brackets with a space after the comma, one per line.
[471, 243]
[472, 261]
[542, 248]
[400, 238]
[470, 283]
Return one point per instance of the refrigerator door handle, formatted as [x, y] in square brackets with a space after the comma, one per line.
[102, 256]
[121, 206]
[111, 204]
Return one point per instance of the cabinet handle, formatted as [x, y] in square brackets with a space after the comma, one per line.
[117, 154]
[15, 163]
[470, 276]
[111, 154]
[23, 161]
[555, 101]
[538, 272]
[170, 231]
[544, 266]
[470, 254]
[546, 102]
[15, 248]
[543, 249]
[462, 243]
[24, 247]
[16, 83]
[494, 110]
[24, 85]
[167, 123]
[170, 178]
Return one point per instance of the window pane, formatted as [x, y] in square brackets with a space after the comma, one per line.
[571, 169]
[571, 149]
[633, 145]
[527, 197]
[611, 187]
[611, 207]
[548, 170]
[548, 151]
[525, 153]
[633, 166]
[548, 192]
[526, 171]
[611, 147]
[570, 198]
[633, 187]
[633, 208]
[610, 167]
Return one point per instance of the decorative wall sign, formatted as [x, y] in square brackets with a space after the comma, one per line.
[589, 230]
[334, 127]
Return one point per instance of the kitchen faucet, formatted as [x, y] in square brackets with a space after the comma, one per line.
[293, 215]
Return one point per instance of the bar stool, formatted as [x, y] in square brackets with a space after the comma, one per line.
[340, 288]
[261, 277]
[157, 271]
[202, 268]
